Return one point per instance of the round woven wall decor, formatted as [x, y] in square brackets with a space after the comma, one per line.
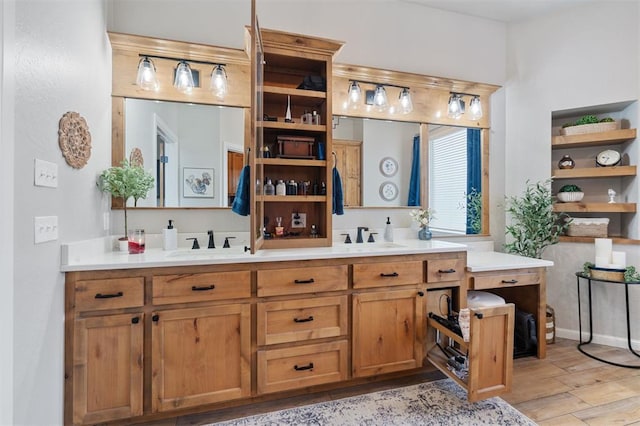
[74, 139]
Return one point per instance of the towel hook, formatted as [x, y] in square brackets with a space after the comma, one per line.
[335, 158]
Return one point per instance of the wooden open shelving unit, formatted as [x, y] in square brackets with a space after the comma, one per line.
[608, 138]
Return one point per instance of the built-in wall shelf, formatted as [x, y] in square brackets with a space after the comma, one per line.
[594, 172]
[590, 240]
[593, 139]
[595, 207]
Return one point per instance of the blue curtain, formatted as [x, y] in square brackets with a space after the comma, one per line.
[474, 168]
[414, 182]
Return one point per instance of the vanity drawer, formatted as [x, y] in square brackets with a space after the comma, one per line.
[445, 270]
[301, 366]
[385, 274]
[288, 281]
[297, 320]
[94, 295]
[185, 288]
[503, 280]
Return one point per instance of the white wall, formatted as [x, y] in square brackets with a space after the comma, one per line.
[7, 105]
[584, 56]
[62, 57]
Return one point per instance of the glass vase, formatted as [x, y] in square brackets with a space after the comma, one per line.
[424, 233]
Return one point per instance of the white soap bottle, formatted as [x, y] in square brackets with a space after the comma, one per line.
[388, 231]
[170, 237]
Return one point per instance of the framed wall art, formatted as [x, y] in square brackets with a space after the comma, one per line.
[197, 183]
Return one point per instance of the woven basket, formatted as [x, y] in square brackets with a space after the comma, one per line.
[590, 128]
[588, 227]
[606, 274]
[550, 325]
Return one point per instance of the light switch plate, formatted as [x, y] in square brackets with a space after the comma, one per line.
[45, 173]
[45, 228]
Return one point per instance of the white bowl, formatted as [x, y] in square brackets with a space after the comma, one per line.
[570, 197]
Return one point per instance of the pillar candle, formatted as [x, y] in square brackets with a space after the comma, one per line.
[604, 248]
[619, 258]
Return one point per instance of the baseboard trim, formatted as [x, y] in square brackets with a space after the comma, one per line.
[601, 339]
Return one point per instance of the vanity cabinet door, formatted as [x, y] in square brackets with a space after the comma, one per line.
[489, 352]
[200, 356]
[107, 368]
[388, 330]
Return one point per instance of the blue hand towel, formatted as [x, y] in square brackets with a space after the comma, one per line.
[338, 200]
[241, 204]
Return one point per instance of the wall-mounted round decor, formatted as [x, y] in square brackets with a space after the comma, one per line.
[388, 191]
[74, 139]
[388, 166]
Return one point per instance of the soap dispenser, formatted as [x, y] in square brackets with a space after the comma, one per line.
[170, 237]
[388, 231]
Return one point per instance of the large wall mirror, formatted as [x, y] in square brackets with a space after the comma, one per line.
[376, 158]
[195, 151]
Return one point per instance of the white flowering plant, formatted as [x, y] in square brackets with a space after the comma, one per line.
[422, 216]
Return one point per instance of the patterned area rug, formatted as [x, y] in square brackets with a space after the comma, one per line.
[439, 403]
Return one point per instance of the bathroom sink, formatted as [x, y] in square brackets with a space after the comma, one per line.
[205, 253]
[366, 247]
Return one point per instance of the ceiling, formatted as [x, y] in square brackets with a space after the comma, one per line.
[501, 10]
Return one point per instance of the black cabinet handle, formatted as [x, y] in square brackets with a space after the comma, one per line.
[135, 320]
[509, 281]
[309, 281]
[478, 314]
[303, 319]
[446, 271]
[304, 367]
[109, 296]
[391, 275]
[155, 318]
[421, 293]
[203, 288]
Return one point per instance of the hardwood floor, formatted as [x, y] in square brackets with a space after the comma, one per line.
[567, 388]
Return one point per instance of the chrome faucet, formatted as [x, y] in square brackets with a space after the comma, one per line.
[359, 237]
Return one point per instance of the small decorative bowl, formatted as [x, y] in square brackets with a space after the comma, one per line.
[570, 197]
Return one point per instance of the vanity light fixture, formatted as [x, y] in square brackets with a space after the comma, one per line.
[218, 84]
[406, 106]
[475, 108]
[146, 77]
[354, 94]
[185, 79]
[455, 107]
[378, 98]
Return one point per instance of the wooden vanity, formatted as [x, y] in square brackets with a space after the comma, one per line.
[153, 342]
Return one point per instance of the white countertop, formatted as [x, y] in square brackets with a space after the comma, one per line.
[87, 256]
[478, 261]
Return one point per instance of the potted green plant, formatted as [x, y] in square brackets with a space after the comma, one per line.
[126, 181]
[589, 124]
[534, 225]
[570, 194]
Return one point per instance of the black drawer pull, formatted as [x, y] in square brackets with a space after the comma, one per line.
[155, 318]
[509, 281]
[303, 319]
[304, 367]
[446, 271]
[391, 275]
[309, 281]
[203, 288]
[478, 314]
[421, 293]
[135, 320]
[109, 296]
